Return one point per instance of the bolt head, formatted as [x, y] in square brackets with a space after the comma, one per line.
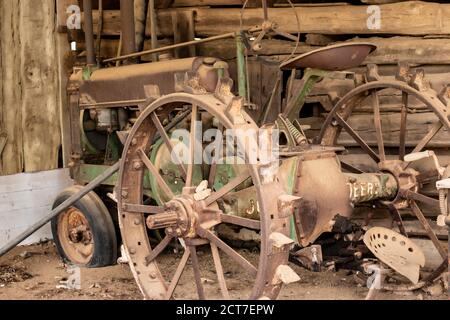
[137, 165]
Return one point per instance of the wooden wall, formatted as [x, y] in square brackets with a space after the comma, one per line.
[28, 86]
[32, 79]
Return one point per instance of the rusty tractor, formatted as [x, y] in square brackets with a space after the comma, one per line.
[168, 212]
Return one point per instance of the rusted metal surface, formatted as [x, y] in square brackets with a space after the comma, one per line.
[310, 184]
[332, 58]
[366, 187]
[409, 174]
[89, 32]
[75, 236]
[130, 82]
[318, 209]
[192, 220]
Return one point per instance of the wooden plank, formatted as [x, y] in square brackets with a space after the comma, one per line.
[418, 125]
[414, 50]
[39, 85]
[198, 3]
[27, 197]
[220, 3]
[405, 18]
[2, 134]
[63, 53]
[10, 105]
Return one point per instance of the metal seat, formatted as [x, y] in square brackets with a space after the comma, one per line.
[332, 58]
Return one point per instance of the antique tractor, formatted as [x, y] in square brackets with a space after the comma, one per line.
[169, 210]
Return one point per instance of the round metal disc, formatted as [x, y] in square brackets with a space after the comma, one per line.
[332, 58]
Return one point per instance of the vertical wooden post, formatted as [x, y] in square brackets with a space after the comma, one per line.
[10, 77]
[63, 53]
[38, 70]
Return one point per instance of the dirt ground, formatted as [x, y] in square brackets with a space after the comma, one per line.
[34, 272]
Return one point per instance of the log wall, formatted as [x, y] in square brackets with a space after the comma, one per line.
[29, 110]
[32, 87]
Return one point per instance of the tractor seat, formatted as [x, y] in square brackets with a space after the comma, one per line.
[332, 58]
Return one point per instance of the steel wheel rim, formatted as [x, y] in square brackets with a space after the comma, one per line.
[134, 232]
[77, 252]
[329, 135]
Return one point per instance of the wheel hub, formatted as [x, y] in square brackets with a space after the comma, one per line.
[78, 228]
[406, 180]
[180, 217]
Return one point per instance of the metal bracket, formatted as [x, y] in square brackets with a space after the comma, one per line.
[310, 78]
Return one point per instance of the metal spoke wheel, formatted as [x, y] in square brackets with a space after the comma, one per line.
[189, 205]
[401, 154]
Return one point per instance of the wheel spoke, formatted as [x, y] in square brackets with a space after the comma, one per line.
[424, 222]
[239, 221]
[155, 173]
[213, 167]
[197, 276]
[228, 250]
[430, 135]
[436, 273]
[403, 119]
[357, 138]
[378, 127]
[137, 208]
[158, 249]
[190, 169]
[227, 188]
[163, 134]
[177, 275]
[219, 271]
[397, 218]
[411, 195]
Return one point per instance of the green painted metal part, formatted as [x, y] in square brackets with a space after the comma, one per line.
[113, 148]
[86, 145]
[169, 171]
[87, 72]
[310, 78]
[88, 172]
[241, 65]
[288, 176]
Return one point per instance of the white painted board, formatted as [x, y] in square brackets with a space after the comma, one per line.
[27, 197]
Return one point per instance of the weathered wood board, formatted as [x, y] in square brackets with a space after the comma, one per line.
[27, 197]
[403, 18]
[29, 99]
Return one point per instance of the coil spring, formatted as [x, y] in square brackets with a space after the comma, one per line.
[296, 134]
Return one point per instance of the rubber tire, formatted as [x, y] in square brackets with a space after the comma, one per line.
[100, 223]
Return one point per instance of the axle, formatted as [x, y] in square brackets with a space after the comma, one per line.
[366, 187]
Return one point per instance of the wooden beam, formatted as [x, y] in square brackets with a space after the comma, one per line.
[414, 50]
[404, 18]
[418, 126]
[219, 3]
[11, 103]
[39, 85]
